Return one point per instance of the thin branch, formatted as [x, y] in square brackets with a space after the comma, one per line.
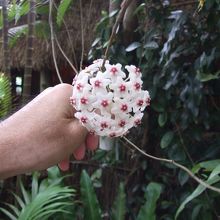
[67, 30]
[52, 40]
[61, 50]
[175, 164]
[120, 16]
[82, 34]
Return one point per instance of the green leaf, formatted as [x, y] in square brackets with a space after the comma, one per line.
[151, 45]
[47, 201]
[182, 177]
[6, 212]
[113, 13]
[62, 9]
[14, 209]
[133, 46]
[25, 193]
[162, 119]
[204, 77]
[141, 7]
[209, 165]
[34, 185]
[19, 200]
[166, 139]
[119, 209]
[147, 211]
[213, 178]
[89, 199]
[5, 95]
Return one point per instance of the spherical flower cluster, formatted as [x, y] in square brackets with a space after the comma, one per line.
[109, 102]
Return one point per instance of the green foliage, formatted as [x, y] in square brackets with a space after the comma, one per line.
[166, 139]
[62, 9]
[178, 53]
[48, 198]
[213, 178]
[119, 208]
[18, 10]
[152, 194]
[5, 95]
[90, 203]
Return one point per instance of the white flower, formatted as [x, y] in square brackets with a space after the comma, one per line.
[137, 118]
[108, 103]
[99, 83]
[135, 84]
[113, 71]
[81, 81]
[134, 72]
[95, 67]
[104, 103]
[142, 100]
[119, 87]
[124, 121]
[84, 101]
[121, 106]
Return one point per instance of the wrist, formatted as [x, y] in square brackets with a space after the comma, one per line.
[10, 149]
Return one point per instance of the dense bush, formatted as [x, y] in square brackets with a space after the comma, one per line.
[178, 52]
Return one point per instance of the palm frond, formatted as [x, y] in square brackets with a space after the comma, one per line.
[5, 95]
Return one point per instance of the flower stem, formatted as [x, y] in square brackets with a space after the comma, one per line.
[175, 164]
[120, 16]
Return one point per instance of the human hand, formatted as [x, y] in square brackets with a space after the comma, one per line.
[91, 143]
[43, 133]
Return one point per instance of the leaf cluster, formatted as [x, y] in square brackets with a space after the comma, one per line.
[178, 52]
[45, 199]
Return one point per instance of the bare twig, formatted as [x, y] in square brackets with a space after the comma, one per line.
[52, 40]
[120, 16]
[175, 164]
[67, 30]
[82, 34]
[68, 60]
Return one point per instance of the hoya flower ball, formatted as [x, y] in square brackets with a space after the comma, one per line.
[109, 102]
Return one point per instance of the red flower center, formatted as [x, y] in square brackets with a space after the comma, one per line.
[79, 86]
[148, 101]
[137, 121]
[112, 134]
[104, 103]
[97, 83]
[137, 86]
[140, 102]
[113, 70]
[83, 100]
[122, 88]
[122, 123]
[104, 125]
[124, 107]
[137, 70]
[84, 119]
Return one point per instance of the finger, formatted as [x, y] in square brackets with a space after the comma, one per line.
[92, 141]
[64, 165]
[79, 153]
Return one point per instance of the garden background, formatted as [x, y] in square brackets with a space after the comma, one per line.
[176, 44]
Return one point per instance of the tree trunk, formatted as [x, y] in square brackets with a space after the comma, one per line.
[5, 39]
[129, 23]
[29, 51]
